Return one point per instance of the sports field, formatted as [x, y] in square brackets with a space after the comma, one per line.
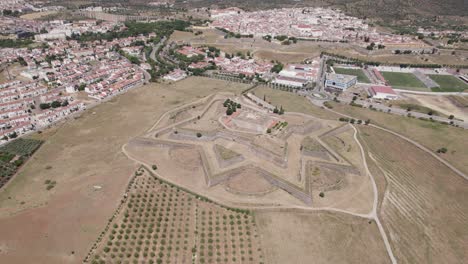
[403, 80]
[448, 83]
[356, 72]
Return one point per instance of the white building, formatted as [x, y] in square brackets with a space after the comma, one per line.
[290, 81]
[60, 34]
[340, 81]
[175, 75]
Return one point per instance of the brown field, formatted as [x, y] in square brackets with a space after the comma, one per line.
[306, 49]
[285, 57]
[163, 224]
[225, 153]
[424, 208]
[15, 70]
[36, 15]
[292, 102]
[460, 101]
[319, 237]
[208, 37]
[388, 57]
[4, 77]
[430, 134]
[83, 153]
[441, 104]
[181, 36]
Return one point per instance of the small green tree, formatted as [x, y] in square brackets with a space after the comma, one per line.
[281, 111]
[442, 150]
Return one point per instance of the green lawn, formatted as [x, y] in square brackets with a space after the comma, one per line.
[356, 72]
[404, 80]
[448, 83]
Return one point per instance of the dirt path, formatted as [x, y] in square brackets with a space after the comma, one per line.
[374, 214]
[446, 163]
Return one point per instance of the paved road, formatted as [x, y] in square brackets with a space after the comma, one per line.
[156, 47]
[430, 93]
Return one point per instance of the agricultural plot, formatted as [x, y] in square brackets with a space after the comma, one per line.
[160, 223]
[404, 80]
[424, 208]
[22, 147]
[448, 83]
[356, 72]
[13, 155]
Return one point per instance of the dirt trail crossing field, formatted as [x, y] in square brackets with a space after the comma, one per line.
[424, 209]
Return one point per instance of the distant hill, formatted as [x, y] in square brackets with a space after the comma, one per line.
[384, 9]
[396, 12]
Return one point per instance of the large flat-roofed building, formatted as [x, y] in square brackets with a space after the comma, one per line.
[340, 81]
[290, 81]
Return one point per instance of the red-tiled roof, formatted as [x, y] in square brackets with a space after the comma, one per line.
[382, 89]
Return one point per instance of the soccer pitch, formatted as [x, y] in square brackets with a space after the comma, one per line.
[404, 80]
[448, 83]
[356, 72]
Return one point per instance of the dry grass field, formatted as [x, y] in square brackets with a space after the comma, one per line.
[292, 102]
[208, 36]
[442, 104]
[424, 209]
[15, 70]
[319, 237]
[59, 225]
[410, 59]
[36, 15]
[459, 101]
[430, 134]
[285, 57]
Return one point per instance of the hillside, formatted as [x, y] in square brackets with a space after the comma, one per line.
[384, 9]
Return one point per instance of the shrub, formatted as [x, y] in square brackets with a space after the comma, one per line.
[442, 150]
[199, 135]
[322, 194]
[154, 167]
